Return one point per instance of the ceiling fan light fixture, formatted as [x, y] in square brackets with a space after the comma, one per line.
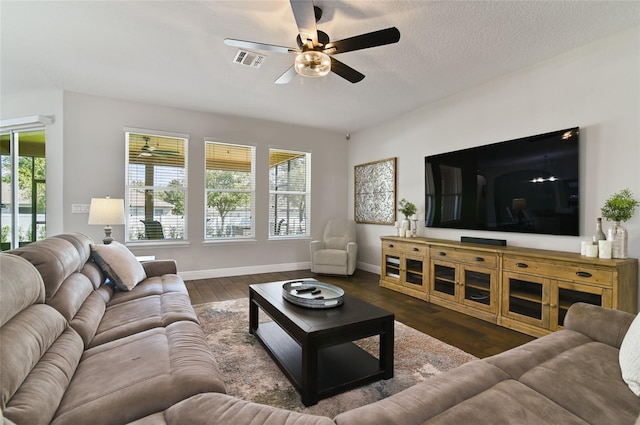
[313, 64]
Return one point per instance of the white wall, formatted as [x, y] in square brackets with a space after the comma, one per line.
[596, 87]
[94, 155]
[44, 102]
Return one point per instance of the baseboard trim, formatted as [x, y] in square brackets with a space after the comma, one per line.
[237, 271]
[266, 268]
[371, 268]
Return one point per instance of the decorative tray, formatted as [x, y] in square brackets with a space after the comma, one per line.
[312, 294]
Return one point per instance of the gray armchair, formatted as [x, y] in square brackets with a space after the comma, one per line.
[337, 252]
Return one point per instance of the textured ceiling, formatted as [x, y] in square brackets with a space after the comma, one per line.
[172, 52]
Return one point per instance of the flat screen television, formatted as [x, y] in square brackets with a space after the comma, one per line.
[527, 185]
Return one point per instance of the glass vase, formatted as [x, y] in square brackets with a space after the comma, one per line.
[618, 236]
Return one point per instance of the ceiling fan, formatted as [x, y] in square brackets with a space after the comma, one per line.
[314, 55]
[148, 150]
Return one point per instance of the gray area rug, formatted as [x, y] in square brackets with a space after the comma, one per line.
[249, 373]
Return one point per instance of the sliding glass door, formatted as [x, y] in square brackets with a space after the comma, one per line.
[23, 187]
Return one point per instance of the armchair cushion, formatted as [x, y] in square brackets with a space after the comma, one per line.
[336, 242]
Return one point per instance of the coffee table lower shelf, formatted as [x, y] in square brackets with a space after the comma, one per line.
[340, 367]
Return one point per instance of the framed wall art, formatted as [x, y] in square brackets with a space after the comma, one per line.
[375, 192]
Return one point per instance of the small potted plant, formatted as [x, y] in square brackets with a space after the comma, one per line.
[619, 208]
[407, 209]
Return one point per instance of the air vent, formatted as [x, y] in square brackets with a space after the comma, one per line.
[244, 57]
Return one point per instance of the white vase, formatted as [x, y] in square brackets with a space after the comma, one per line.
[406, 224]
[619, 238]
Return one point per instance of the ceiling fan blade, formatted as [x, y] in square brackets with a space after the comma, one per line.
[305, 19]
[252, 45]
[345, 71]
[287, 76]
[364, 41]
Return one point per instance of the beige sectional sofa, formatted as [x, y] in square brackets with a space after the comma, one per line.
[75, 351]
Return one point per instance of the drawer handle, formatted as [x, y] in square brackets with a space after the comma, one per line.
[479, 259]
[416, 249]
[442, 254]
[522, 265]
[390, 245]
[583, 274]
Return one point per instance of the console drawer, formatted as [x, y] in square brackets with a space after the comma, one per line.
[479, 258]
[562, 271]
[405, 247]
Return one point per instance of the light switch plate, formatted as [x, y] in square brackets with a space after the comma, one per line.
[79, 208]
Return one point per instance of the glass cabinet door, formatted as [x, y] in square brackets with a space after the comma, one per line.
[526, 298]
[565, 294]
[414, 272]
[444, 279]
[392, 267]
[478, 284]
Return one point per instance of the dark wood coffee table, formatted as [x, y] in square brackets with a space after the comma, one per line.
[314, 347]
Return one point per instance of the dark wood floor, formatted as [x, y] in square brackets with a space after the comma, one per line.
[472, 335]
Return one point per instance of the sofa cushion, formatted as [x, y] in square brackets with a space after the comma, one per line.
[81, 242]
[119, 264]
[158, 285]
[508, 402]
[38, 350]
[586, 380]
[630, 357]
[221, 409]
[417, 404]
[136, 376]
[519, 360]
[55, 258]
[140, 314]
[21, 286]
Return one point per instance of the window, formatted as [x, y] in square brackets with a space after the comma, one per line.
[156, 192]
[229, 191]
[289, 193]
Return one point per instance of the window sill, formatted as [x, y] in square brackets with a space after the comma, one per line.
[157, 244]
[229, 241]
[289, 238]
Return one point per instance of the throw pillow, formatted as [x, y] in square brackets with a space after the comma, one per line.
[119, 264]
[630, 356]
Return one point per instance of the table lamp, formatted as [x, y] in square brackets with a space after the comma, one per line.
[106, 211]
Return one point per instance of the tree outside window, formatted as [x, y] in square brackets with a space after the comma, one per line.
[229, 191]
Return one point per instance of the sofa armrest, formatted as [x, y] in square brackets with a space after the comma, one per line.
[600, 324]
[159, 267]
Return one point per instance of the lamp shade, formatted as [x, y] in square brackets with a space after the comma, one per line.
[518, 204]
[106, 211]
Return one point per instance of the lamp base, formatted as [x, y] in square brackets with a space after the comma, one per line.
[107, 235]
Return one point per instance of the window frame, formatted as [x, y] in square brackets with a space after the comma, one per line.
[307, 194]
[252, 191]
[184, 188]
